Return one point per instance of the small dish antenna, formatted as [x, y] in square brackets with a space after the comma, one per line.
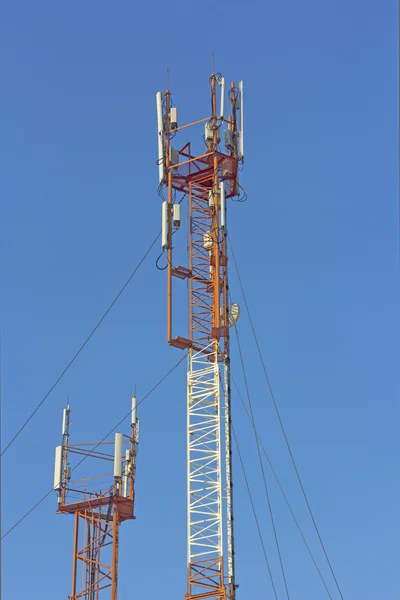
[233, 314]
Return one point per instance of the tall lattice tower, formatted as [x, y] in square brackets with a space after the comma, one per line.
[200, 182]
[95, 482]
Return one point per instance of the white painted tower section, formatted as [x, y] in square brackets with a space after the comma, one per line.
[228, 475]
[204, 457]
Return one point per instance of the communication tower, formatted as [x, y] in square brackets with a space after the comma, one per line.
[101, 496]
[201, 182]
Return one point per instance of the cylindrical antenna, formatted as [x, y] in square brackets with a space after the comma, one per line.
[160, 131]
[137, 430]
[64, 422]
[221, 112]
[118, 455]
[133, 414]
[222, 197]
[241, 138]
[164, 224]
[125, 482]
[58, 468]
[126, 475]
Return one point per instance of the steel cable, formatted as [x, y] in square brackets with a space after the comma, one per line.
[281, 424]
[282, 491]
[97, 445]
[20, 430]
[254, 511]
[261, 463]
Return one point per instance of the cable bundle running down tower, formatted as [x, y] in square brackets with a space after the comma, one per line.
[205, 181]
[98, 512]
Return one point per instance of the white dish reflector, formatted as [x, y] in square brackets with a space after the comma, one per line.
[233, 314]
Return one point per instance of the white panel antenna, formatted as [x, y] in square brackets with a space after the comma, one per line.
[221, 112]
[164, 224]
[160, 131]
[58, 468]
[64, 422]
[222, 197]
[118, 455]
[241, 138]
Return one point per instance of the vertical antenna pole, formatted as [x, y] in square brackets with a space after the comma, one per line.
[133, 413]
[215, 225]
[64, 451]
[232, 126]
[216, 275]
[227, 406]
[169, 215]
[235, 131]
[131, 455]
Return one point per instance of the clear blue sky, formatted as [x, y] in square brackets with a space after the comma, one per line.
[317, 244]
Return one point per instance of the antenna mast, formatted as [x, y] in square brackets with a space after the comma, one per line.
[101, 496]
[201, 183]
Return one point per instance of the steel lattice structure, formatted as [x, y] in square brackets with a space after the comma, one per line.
[205, 181]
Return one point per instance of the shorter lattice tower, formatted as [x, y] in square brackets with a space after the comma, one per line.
[95, 482]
